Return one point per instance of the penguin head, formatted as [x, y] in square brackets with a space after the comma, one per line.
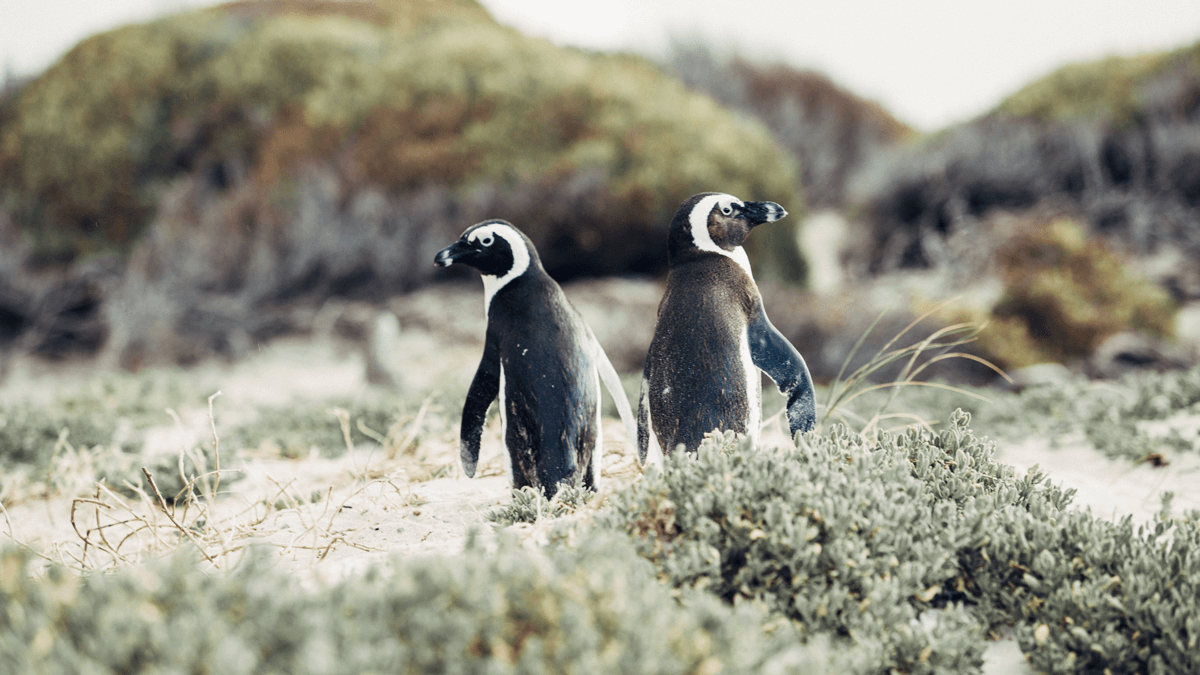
[717, 223]
[494, 247]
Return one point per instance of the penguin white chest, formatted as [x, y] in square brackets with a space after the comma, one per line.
[753, 388]
[504, 427]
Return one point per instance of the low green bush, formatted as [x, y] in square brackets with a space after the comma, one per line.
[299, 428]
[29, 434]
[529, 505]
[101, 411]
[908, 547]
[844, 538]
[1114, 420]
[1114, 416]
[513, 610]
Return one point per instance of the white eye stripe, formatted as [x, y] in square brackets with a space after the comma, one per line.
[487, 235]
[703, 240]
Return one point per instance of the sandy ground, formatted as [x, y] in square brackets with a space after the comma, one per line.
[330, 517]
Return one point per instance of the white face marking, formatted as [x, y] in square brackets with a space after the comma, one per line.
[487, 235]
[703, 241]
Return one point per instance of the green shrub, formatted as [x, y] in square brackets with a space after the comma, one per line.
[908, 546]
[1114, 417]
[1094, 596]
[512, 610]
[1064, 294]
[330, 426]
[529, 505]
[833, 533]
[29, 433]
[103, 420]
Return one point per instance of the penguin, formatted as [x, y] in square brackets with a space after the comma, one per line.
[543, 362]
[712, 335]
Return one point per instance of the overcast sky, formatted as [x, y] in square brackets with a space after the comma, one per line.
[931, 62]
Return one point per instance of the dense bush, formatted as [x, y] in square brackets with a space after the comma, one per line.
[908, 546]
[1063, 295]
[303, 427]
[507, 611]
[458, 102]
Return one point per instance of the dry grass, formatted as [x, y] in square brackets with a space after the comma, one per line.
[940, 345]
[111, 526]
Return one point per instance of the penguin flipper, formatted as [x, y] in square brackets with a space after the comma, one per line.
[612, 382]
[644, 429]
[484, 388]
[773, 354]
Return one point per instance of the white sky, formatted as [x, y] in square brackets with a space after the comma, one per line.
[931, 62]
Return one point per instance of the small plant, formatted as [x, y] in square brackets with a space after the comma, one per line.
[327, 427]
[1118, 417]
[529, 505]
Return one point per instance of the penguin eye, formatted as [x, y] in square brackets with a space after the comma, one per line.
[486, 240]
[726, 209]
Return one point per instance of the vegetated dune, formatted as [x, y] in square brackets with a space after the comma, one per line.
[200, 184]
[1114, 143]
[833, 132]
[175, 189]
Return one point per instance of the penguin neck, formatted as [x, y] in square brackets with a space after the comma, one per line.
[737, 255]
[492, 284]
[525, 262]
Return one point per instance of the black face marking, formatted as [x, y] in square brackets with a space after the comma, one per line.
[490, 254]
[717, 223]
[730, 222]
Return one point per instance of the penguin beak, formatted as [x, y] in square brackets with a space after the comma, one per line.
[757, 213]
[447, 256]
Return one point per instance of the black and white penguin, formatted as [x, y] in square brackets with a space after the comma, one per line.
[541, 359]
[713, 335]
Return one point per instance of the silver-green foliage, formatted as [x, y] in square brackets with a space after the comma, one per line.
[1112, 421]
[529, 505]
[512, 610]
[1111, 414]
[907, 547]
[841, 535]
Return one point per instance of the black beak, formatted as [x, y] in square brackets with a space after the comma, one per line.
[758, 213]
[447, 256]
